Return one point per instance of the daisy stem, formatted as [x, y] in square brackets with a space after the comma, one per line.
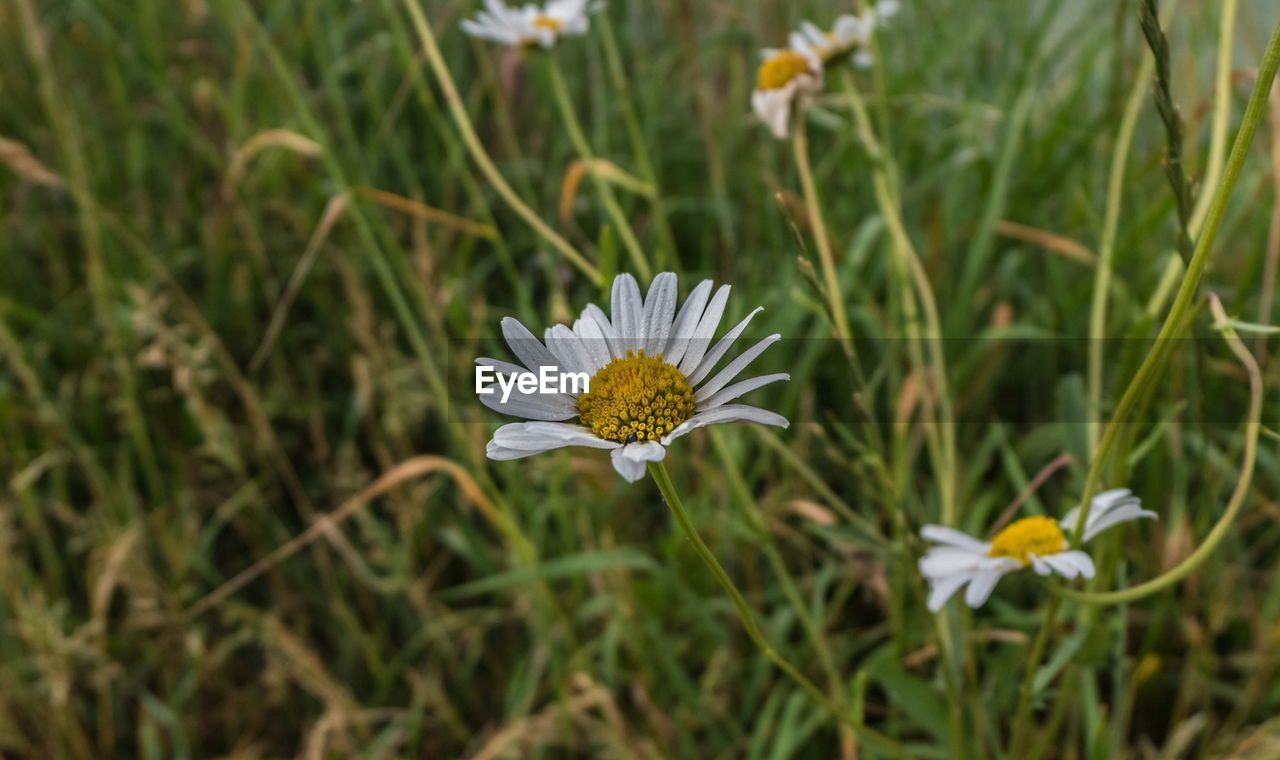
[908, 263]
[478, 154]
[603, 189]
[1106, 250]
[1154, 361]
[658, 471]
[1253, 427]
[834, 294]
[644, 162]
[1023, 710]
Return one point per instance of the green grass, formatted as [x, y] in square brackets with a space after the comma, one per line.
[180, 177]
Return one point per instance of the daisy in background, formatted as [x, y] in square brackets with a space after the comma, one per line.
[849, 35]
[1041, 543]
[529, 24]
[652, 376]
[785, 79]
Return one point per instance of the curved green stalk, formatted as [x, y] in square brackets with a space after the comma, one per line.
[663, 480]
[478, 153]
[1154, 360]
[1253, 427]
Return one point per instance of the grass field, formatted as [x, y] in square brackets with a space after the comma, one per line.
[250, 251]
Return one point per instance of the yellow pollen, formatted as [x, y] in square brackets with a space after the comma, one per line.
[636, 398]
[547, 22]
[1040, 536]
[780, 68]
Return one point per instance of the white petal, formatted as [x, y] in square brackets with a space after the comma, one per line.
[942, 561]
[1124, 514]
[627, 313]
[941, 589]
[726, 413]
[659, 310]
[593, 342]
[773, 107]
[705, 330]
[686, 322]
[1071, 564]
[713, 356]
[502, 454]
[1041, 565]
[980, 588]
[566, 346]
[531, 406]
[886, 8]
[741, 389]
[597, 315]
[733, 368]
[952, 537]
[527, 406]
[528, 349]
[544, 436]
[630, 460]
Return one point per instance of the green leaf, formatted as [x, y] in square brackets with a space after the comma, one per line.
[561, 567]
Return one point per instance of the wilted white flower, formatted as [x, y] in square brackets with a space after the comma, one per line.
[529, 24]
[849, 35]
[785, 79]
[1036, 542]
[651, 376]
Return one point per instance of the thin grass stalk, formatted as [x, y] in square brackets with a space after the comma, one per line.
[639, 146]
[1253, 428]
[658, 472]
[1221, 117]
[1107, 247]
[66, 131]
[935, 370]
[821, 238]
[605, 192]
[478, 154]
[1155, 358]
[1149, 20]
[755, 519]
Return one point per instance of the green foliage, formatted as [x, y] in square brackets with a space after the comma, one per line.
[176, 179]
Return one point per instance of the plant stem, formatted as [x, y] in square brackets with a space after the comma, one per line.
[1221, 113]
[943, 444]
[478, 153]
[1253, 427]
[1107, 248]
[1154, 360]
[1023, 710]
[823, 242]
[658, 471]
[607, 198]
[622, 85]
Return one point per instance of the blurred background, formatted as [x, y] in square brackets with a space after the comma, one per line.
[247, 260]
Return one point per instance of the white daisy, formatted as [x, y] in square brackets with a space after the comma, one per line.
[1038, 542]
[849, 34]
[785, 77]
[529, 24]
[651, 376]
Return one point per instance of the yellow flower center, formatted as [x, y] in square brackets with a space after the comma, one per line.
[636, 398]
[1040, 536]
[546, 22]
[780, 68]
